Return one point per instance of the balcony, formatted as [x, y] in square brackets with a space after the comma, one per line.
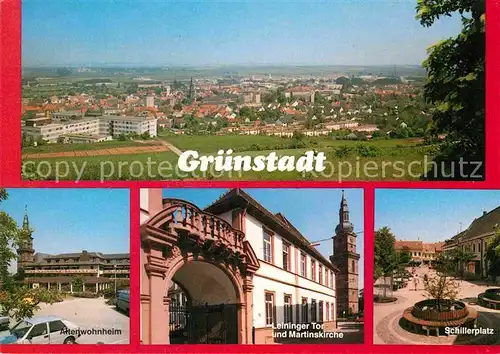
[117, 271]
[60, 271]
[180, 218]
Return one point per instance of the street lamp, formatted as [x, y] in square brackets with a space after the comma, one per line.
[115, 278]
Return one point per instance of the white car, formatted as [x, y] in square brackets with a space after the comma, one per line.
[42, 330]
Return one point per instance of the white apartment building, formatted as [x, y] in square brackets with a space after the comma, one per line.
[52, 131]
[100, 127]
[116, 125]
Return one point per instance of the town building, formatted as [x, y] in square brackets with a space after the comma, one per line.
[475, 239]
[97, 271]
[91, 129]
[242, 268]
[420, 252]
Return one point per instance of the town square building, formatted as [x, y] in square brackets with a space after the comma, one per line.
[475, 240]
[420, 252]
[242, 270]
[98, 271]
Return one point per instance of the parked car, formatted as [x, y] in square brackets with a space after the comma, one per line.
[123, 300]
[42, 330]
[4, 323]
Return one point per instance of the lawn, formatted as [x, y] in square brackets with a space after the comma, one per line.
[213, 143]
[79, 147]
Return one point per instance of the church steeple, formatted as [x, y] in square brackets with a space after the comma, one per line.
[26, 222]
[346, 260]
[25, 250]
[344, 223]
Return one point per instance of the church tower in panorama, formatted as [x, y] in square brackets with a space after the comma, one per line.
[346, 260]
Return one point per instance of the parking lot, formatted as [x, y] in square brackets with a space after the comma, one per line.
[91, 314]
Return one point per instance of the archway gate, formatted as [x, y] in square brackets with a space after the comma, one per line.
[213, 263]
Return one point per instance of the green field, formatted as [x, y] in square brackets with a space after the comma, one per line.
[346, 160]
[79, 147]
[213, 143]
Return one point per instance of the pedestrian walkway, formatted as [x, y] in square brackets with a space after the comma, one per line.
[387, 317]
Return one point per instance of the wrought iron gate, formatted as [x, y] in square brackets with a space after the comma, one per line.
[206, 324]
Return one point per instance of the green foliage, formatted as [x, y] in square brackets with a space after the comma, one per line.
[385, 254]
[343, 151]
[18, 303]
[456, 78]
[77, 283]
[404, 255]
[85, 294]
[367, 150]
[10, 239]
[493, 256]
[48, 296]
[441, 288]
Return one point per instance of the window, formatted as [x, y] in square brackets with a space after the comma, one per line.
[303, 264]
[305, 311]
[288, 309]
[286, 256]
[327, 312]
[56, 326]
[270, 309]
[313, 311]
[320, 274]
[354, 266]
[321, 311]
[38, 330]
[332, 310]
[268, 249]
[332, 285]
[313, 270]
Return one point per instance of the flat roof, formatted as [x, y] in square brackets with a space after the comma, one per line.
[132, 118]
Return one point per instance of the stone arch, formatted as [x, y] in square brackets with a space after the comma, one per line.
[182, 243]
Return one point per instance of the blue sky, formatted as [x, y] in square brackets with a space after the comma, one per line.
[72, 220]
[160, 32]
[314, 212]
[430, 215]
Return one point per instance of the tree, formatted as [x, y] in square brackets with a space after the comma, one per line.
[385, 255]
[10, 238]
[456, 83]
[404, 256]
[18, 303]
[77, 283]
[442, 288]
[460, 258]
[493, 256]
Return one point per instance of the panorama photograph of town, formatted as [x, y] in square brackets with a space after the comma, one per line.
[437, 267]
[120, 90]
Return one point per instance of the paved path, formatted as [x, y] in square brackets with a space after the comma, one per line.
[102, 152]
[171, 147]
[387, 317]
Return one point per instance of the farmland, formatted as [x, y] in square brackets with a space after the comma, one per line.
[346, 160]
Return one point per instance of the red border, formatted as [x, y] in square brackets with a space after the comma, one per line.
[10, 162]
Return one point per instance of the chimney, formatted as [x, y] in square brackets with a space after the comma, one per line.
[484, 212]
